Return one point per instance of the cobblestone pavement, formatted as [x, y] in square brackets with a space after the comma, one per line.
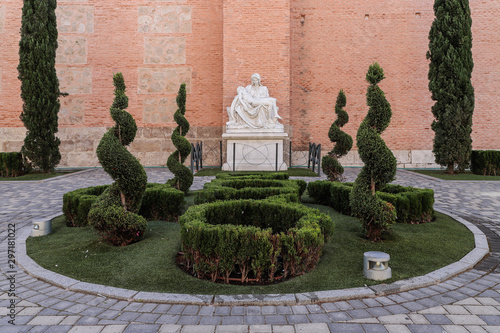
[468, 302]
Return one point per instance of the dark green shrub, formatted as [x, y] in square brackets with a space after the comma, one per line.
[450, 71]
[183, 178]
[302, 186]
[333, 194]
[485, 162]
[77, 203]
[275, 175]
[39, 84]
[249, 235]
[248, 188]
[12, 165]
[320, 191]
[160, 202]
[115, 224]
[330, 164]
[259, 175]
[114, 213]
[380, 164]
[413, 205]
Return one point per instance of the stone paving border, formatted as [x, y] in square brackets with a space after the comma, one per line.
[467, 262]
[50, 179]
[445, 180]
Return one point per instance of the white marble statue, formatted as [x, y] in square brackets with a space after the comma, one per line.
[252, 108]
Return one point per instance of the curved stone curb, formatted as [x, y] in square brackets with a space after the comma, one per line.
[467, 262]
[416, 174]
[446, 180]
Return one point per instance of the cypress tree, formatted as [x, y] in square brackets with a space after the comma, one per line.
[450, 70]
[183, 178]
[330, 164]
[39, 84]
[376, 214]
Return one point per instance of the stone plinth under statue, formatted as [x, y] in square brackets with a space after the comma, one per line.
[254, 134]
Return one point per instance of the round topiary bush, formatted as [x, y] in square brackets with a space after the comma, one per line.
[269, 239]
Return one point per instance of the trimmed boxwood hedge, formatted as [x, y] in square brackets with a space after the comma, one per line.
[11, 165]
[485, 162]
[413, 205]
[259, 236]
[274, 175]
[248, 188]
[160, 202]
[259, 175]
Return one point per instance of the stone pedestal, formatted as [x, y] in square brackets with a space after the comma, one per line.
[254, 151]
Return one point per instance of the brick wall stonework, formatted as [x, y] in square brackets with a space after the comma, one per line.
[305, 51]
[152, 145]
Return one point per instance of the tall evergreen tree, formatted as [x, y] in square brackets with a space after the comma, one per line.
[450, 70]
[330, 164]
[39, 84]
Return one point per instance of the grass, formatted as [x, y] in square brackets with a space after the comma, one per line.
[293, 172]
[467, 175]
[149, 265]
[36, 175]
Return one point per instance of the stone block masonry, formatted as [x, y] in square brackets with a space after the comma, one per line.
[71, 50]
[305, 51]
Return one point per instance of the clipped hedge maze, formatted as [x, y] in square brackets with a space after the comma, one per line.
[160, 202]
[413, 205]
[255, 240]
[251, 187]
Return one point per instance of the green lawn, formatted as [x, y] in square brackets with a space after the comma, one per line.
[149, 265]
[35, 176]
[467, 175]
[293, 172]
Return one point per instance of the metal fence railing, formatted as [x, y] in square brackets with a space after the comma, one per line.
[210, 154]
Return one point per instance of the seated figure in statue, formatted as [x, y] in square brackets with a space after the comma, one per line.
[253, 108]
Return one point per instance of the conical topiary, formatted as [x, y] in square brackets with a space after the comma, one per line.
[183, 178]
[330, 164]
[114, 214]
[380, 164]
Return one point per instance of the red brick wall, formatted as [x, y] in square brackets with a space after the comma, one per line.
[10, 102]
[257, 40]
[334, 42]
[305, 51]
[116, 44]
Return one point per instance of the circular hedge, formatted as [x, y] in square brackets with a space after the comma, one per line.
[231, 188]
[269, 239]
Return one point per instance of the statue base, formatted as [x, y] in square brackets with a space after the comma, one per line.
[254, 151]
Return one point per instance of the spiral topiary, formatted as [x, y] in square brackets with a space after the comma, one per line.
[114, 212]
[380, 164]
[183, 178]
[331, 166]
